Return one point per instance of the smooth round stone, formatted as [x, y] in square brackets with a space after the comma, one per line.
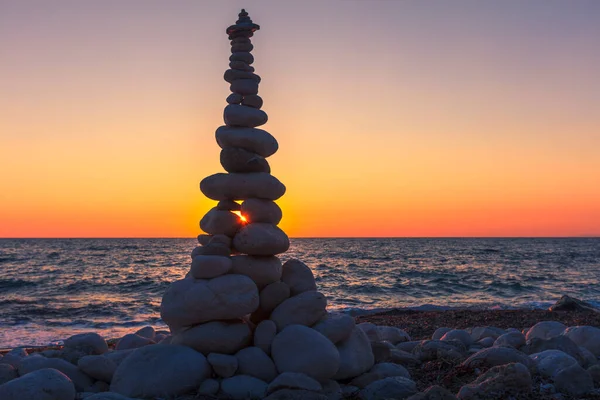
[98, 367]
[585, 336]
[254, 362]
[273, 295]
[294, 380]
[215, 337]
[304, 309]
[262, 270]
[211, 249]
[243, 387]
[242, 56]
[264, 334]
[241, 34]
[244, 87]
[301, 349]
[242, 186]
[242, 66]
[236, 159]
[160, 371]
[223, 365]
[298, 276]
[206, 267]
[209, 387]
[240, 40]
[252, 100]
[88, 343]
[259, 210]
[259, 239]
[356, 356]
[545, 330]
[228, 205]
[335, 326]
[234, 74]
[254, 140]
[188, 302]
[234, 98]
[549, 362]
[220, 222]
[43, 384]
[241, 47]
[237, 115]
[132, 341]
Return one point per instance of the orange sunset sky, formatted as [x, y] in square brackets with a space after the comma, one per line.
[394, 118]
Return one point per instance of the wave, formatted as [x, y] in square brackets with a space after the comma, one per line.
[15, 283]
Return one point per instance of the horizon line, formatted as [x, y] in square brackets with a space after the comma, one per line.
[314, 237]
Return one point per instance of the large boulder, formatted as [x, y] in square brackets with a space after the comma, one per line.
[255, 140]
[500, 382]
[223, 186]
[261, 239]
[562, 343]
[298, 348]
[298, 276]
[262, 270]
[226, 337]
[304, 309]
[545, 330]
[43, 384]
[511, 339]
[160, 371]
[189, 302]
[585, 336]
[356, 356]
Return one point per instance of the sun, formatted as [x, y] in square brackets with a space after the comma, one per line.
[239, 214]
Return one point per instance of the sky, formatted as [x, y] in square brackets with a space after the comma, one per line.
[394, 118]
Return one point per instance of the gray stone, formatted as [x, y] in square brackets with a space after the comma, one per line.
[568, 303]
[118, 356]
[227, 205]
[371, 331]
[294, 380]
[253, 101]
[574, 381]
[160, 371]
[234, 74]
[439, 332]
[7, 373]
[242, 186]
[395, 387]
[403, 358]
[378, 372]
[545, 330]
[220, 222]
[242, 56]
[381, 351]
[243, 387]
[147, 332]
[259, 210]
[409, 346]
[79, 379]
[304, 309]
[594, 372]
[242, 66]
[487, 341]
[236, 159]
[239, 47]
[429, 350]
[511, 339]
[585, 336]
[259, 239]
[224, 365]
[19, 352]
[254, 362]
[209, 387]
[494, 356]
[188, 302]
[298, 276]
[335, 326]
[11, 359]
[264, 334]
[98, 367]
[226, 337]
[392, 334]
[43, 384]
[273, 295]
[234, 98]
[211, 249]
[549, 362]
[458, 334]
[132, 341]
[481, 332]
[254, 140]
[89, 343]
[356, 356]
[587, 358]
[298, 348]
[562, 343]
[207, 267]
[500, 382]
[244, 87]
[262, 270]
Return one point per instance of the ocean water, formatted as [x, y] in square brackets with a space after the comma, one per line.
[53, 288]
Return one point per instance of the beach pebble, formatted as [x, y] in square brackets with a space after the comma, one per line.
[298, 276]
[439, 332]
[511, 339]
[304, 309]
[242, 56]
[12, 360]
[242, 186]
[260, 239]
[254, 362]
[487, 341]
[403, 358]
[232, 74]
[147, 332]
[236, 159]
[79, 378]
[244, 87]
[224, 365]
[494, 356]
[98, 367]
[370, 330]
[392, 334]
[586, 359]
[381, 351]
[88, 343]
[237, 47]
[481, 332]
[458, 334]
[207, 267]
[298, 348]
[209, 387]
[19, 352]
[434, 392]
[119, 355]
[273, 295]
[132, 341]
[226, 337]
[243, 387]
[160, 371]
[430, 350]
[294, 380]
[396, 387]
[545, 330]
[226, 205]
[259, 210]
[574, 381]
[264, 334]
[189, 302]
[220, 222]
[408, 346]
[356, 356]
[378, 372]
[561, 343]
[253, 100]
[585, 336]
[263, 270]
[549, 362]
[43, 384]
[211, 249]
[7, 373]
[502, 381]
[242, 66]
[335, 326]
[234, 98]
[254, 140]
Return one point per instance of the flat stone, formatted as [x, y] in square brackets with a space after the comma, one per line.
[294, 380]
[378, 372]
[189, 302]
[260, 239]
[221, 240]
[262, 270]
[260, 210]
[298, 348]
[545, 330]
[494, 356]
[237, 47]
[356, 356]
[242, 56]
[98, 367]
[242, 387]
[224, 365]
[244, 87]
[233, 74]
[227, 205]
[393, 334]
[511, 339]
[254, 140]
[252, 100]
[43, 384]
[89, 343]
[132, 341]
[549, 362]
[264, 334]
[35, 363]
[395, 387]
[298, 276]
[242, 186]
[160, 371]
[242, 66]
[236, 159]
[272, 296]
[242, 116]
[240, 40]
[335, 326]
[220, 222]
[573, 381]
[500, 382]
[234, 98]
[225, 337]
[304, 309]
[211, 249]
[206, 267]
[254, 362]
[585, 336]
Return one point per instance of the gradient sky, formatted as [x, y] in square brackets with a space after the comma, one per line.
[394, 118]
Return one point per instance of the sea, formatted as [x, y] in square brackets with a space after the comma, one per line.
[51, 289]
